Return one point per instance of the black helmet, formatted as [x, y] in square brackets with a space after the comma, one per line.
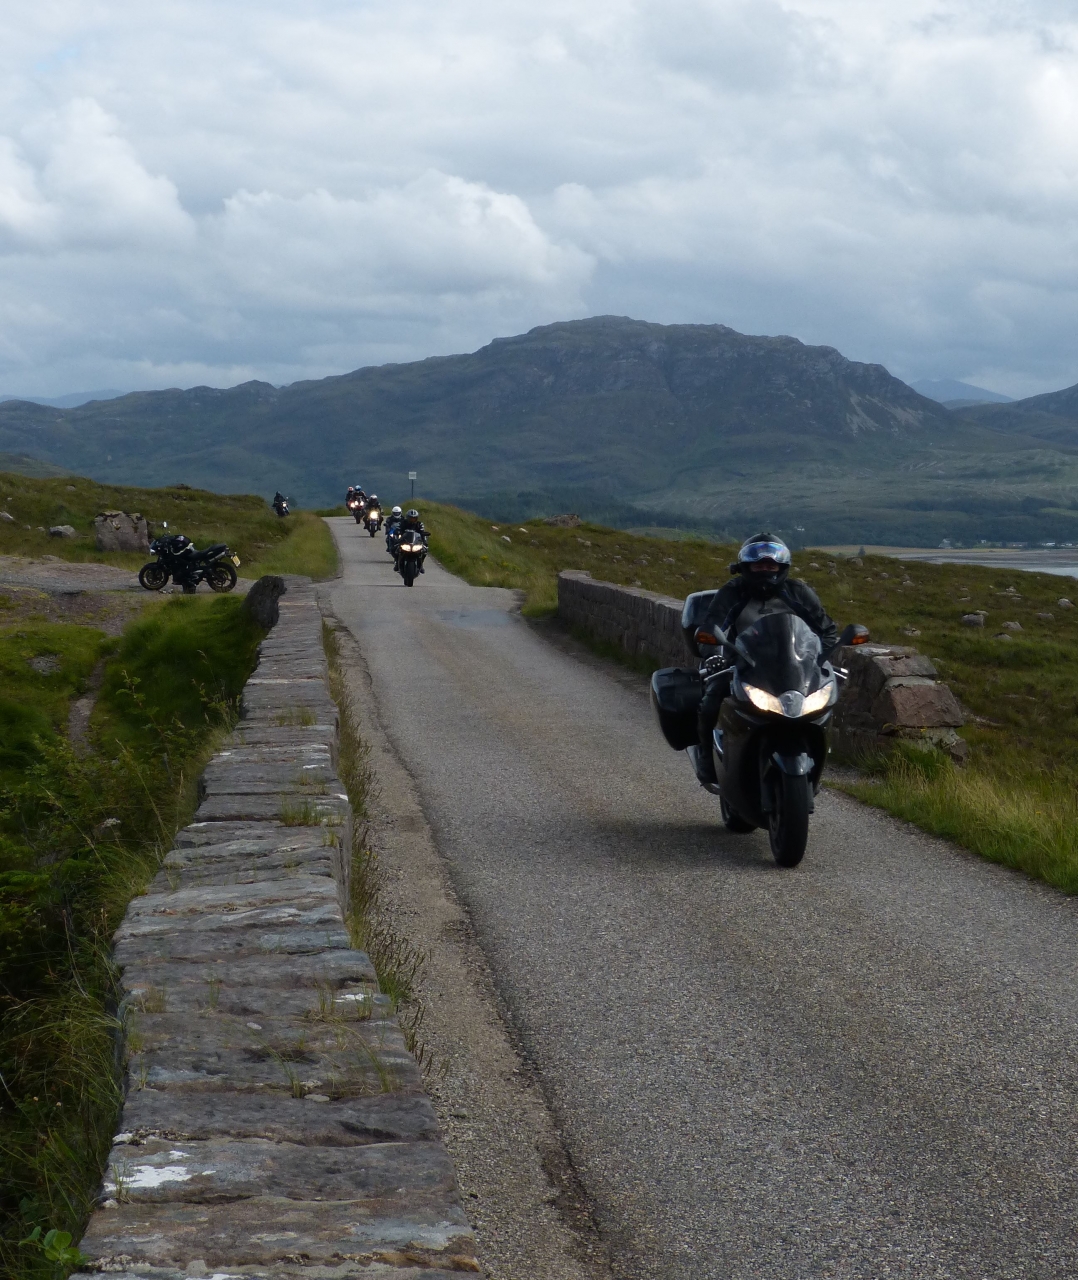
[180, 541]
[761, 549]
[412, 515]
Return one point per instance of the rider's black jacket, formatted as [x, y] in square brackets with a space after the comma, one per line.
[414, 526]
[798, 596]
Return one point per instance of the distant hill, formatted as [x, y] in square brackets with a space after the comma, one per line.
[952, 393]
[623, 420]
[70, 401]
[1051, 418]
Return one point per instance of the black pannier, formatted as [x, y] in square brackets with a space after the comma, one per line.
[675, 694]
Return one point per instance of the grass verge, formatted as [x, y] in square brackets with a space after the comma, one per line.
[1014, 803]
[396, 961]
[80, 834]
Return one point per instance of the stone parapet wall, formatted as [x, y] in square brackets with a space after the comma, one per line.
[642, 623]
[274, 1124]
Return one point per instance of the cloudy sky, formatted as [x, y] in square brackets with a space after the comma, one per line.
[196, 191]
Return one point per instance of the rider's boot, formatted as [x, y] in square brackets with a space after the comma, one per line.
[704, 765]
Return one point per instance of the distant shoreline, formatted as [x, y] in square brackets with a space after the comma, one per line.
[1061, 561]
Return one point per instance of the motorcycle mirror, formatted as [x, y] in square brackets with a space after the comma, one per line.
[855, 633]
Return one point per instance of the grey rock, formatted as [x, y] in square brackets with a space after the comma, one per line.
[973, 619]
[63, 531]
[6, 515]
[1012, 626]
[118, 531]
[261, 602]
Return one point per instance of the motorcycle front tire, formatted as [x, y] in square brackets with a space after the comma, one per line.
[221, 577]
[408, 573]
[788, 821]
[153, 576]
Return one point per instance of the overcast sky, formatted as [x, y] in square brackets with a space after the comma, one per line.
[196, 191]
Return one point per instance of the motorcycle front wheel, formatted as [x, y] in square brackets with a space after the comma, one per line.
[408, 573]
[153, 576]
[788, 821]
[221, 577]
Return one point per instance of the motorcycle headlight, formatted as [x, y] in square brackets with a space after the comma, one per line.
[817, 701]
[762, 700]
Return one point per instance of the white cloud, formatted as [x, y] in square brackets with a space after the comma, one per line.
[204, 192]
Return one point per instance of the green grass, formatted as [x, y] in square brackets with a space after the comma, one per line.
[530, 561]
[265, 544]
[1014, 803]
[79, 836]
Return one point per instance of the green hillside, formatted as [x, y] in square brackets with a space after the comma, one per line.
[628, 422]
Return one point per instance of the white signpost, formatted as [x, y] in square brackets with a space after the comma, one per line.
[411, 476]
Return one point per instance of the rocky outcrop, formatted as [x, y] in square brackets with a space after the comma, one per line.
[118, 531]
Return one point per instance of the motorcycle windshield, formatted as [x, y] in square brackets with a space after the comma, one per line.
[782, 653]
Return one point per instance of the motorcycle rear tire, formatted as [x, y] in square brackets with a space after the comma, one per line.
[153, 576]
[733, 821]
[788, 823]
[221, 577]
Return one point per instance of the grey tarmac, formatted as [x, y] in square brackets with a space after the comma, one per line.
[864, 1067]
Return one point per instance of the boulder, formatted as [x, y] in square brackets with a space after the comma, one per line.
[973, 619]
[63, 531]
[118, 531]
[564, 522]
[916, 704]
[261, 600]
[6, 515]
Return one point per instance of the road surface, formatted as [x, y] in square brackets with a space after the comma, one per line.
[864, 1067]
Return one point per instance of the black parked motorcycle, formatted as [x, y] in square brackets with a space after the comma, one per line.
[411, 552]
[770, 744]
[372, 520]
[177, 559]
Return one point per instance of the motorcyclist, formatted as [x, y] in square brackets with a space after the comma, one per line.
[354, 491]
[184, 552]
[411, 523]
[762, 586]
[392, 529]
[279, 501]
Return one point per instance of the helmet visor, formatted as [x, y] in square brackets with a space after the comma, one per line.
[755, 551]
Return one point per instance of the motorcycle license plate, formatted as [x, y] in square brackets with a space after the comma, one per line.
[235, 560]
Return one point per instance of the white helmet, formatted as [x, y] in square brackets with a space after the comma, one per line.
[396, 511]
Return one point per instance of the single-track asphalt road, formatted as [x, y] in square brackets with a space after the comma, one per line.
[864, 1067]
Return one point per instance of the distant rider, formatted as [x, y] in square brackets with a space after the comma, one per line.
[393, 524]
[762, 586]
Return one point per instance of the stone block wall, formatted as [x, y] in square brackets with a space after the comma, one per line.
[643, 623]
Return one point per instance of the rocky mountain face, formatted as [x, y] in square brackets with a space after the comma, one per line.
[621, 419]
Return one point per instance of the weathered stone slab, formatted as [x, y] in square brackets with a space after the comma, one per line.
[349, 1003]
[199, 834]
[274, 1229]
[922, 704]
[331, 809]
[384, 1117]
[327, 968]
[363, 1267]
[203, 905]
[226, 946]
[164, 1171]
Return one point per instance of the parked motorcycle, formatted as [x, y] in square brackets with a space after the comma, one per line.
[372, 519]
[770, 744]
[178, 559]
[411, 552]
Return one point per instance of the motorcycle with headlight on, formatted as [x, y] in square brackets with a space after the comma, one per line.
[770, 743]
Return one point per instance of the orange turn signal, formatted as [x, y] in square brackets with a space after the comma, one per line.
[705, 637]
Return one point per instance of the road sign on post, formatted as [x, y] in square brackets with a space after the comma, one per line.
[411, 476]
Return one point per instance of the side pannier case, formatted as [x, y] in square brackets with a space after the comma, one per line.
[675, 694]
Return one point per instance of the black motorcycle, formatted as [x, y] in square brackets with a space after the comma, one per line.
[280, 505]
[411, 552]
[770, 744]
[177, 559]
[372, 520]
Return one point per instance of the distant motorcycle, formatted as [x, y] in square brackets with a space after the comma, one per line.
[358, 508]
[178, 559]
[280, 505]
[770, 745]
[411, 552]
[372, 519]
